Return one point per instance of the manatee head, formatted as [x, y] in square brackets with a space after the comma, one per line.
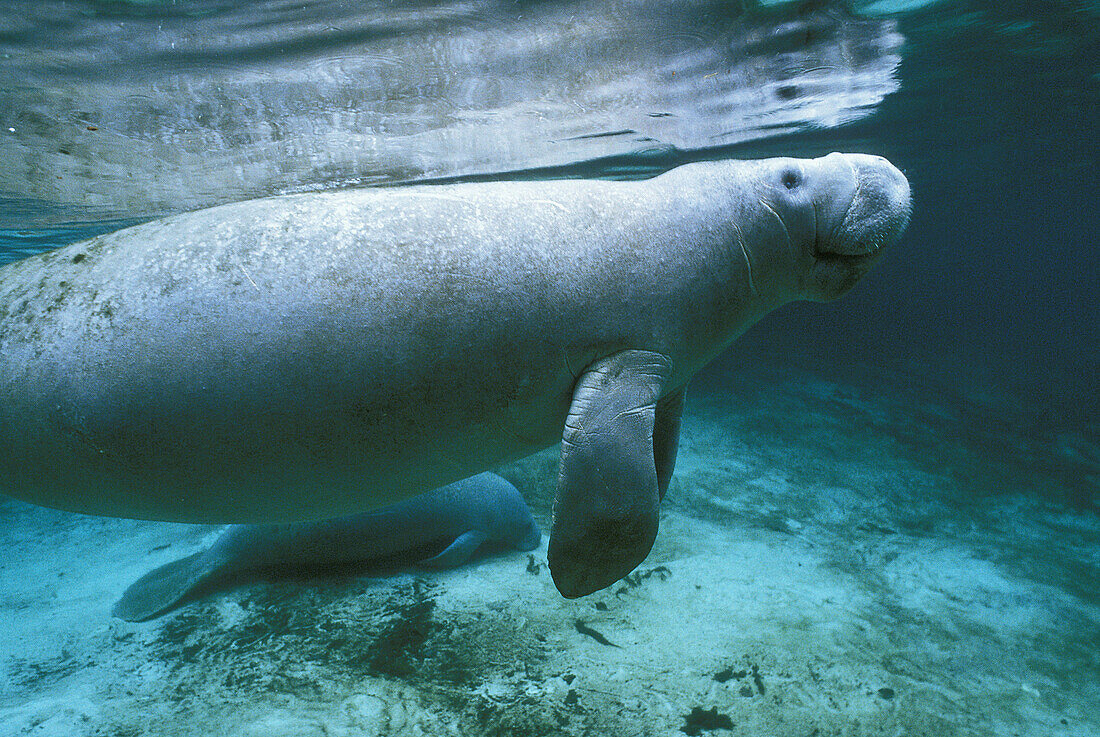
[507, 517]
[839, 213]
[527, 535]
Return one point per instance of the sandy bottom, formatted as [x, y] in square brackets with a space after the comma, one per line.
[866, 555]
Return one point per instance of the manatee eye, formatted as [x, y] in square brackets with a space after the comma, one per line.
[790, 178]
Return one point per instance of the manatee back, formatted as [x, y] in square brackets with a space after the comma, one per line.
[211, 366]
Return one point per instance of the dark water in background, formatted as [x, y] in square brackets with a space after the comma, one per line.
[117, 112]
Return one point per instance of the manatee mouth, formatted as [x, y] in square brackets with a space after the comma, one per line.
[836, 273]
[846, 259]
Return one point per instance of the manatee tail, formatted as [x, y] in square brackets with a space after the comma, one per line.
[161, 589]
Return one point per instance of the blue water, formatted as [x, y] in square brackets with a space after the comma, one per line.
[925, 450]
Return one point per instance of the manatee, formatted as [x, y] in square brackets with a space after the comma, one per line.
[317, 355]
[443, 528]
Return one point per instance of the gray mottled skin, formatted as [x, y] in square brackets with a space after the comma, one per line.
[452, 522]
[284, 359]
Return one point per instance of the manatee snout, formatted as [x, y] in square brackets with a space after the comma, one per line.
[862, 207]
[528, 537]
[880, 210]
[867, 211]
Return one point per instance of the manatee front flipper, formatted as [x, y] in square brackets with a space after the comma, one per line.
[457, 552]
[606, 509]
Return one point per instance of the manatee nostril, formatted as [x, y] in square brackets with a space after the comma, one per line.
[790, 179]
